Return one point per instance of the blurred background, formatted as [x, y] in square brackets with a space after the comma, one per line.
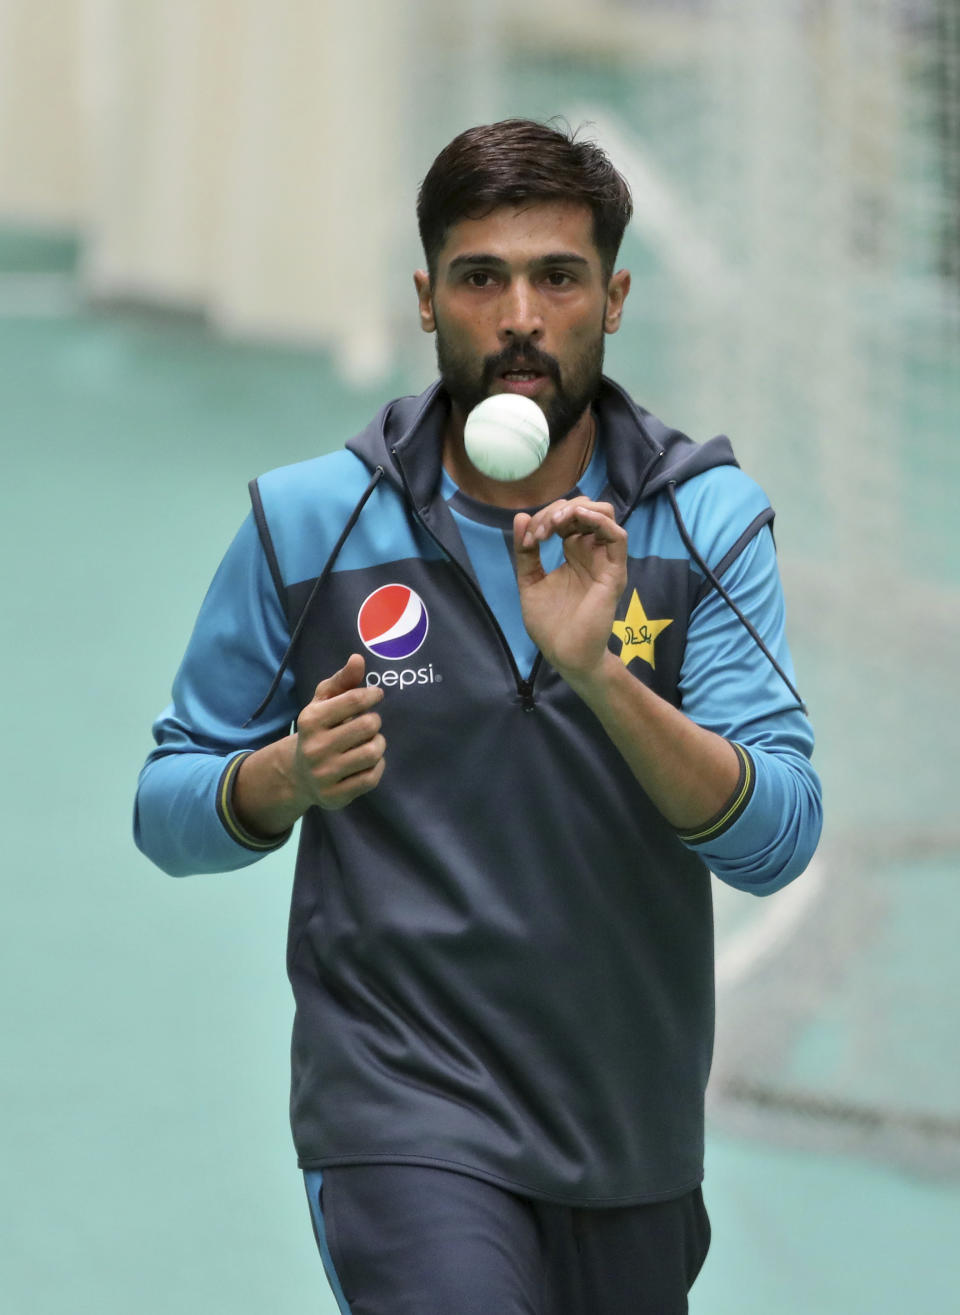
[206, 243]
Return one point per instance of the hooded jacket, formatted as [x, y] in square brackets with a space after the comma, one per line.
[501, 957]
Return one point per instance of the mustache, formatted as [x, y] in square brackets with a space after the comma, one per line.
[520, 356]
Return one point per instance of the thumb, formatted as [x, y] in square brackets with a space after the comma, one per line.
[526, 554]
[350, 676]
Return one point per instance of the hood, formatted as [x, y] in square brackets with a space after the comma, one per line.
[643, 455]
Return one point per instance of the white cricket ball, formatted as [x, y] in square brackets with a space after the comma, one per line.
[506, 436]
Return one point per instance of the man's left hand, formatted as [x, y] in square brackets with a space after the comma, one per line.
[569, 612]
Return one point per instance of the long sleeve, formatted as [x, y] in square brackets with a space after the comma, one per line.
[183, 819]
[769, 832]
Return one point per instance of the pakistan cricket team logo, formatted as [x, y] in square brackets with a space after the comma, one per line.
[637, 633]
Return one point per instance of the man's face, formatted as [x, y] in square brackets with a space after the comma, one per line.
[520, 304]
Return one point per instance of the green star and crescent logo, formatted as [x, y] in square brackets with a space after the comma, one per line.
[637, 633]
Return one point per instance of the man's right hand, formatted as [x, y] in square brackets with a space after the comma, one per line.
[335, 755]
[339, 751]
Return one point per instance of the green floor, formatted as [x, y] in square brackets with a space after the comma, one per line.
[147, 1162]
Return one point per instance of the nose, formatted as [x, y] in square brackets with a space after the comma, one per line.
[520, 315]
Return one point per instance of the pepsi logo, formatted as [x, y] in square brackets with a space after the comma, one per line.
[392, 622]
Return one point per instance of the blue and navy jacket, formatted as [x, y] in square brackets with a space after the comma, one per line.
[501, 957]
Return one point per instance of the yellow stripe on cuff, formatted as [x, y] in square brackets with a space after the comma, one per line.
[718, 824]
[227, 815]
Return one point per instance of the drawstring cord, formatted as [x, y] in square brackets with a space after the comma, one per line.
[684, 535]
[715, 583]
[317, 585]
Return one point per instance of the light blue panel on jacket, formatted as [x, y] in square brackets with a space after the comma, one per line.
[308, 504]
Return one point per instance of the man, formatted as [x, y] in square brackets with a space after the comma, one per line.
[528, 715]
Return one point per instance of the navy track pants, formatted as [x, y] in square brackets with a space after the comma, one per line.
[406, 1240]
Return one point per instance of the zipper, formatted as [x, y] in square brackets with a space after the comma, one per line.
[524, 684]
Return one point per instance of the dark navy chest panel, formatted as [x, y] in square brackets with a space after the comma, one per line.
[420, 625]
[427, 635]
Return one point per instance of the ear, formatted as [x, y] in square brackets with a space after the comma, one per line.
[617, 290]
[421, 281]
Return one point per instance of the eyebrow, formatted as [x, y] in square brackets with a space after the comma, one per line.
[497, 262]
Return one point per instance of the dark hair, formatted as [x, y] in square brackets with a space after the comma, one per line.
[516, 161]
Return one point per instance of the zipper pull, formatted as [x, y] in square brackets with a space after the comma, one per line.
[526, 695]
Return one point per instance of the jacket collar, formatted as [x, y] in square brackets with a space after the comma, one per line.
[643, 455]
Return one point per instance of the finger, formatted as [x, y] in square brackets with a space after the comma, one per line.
[350, 676]
[587, 520]
[352, 787]
[545, 522]
[539, 526]
[336, 701]
[579, 507]
[321, 741]
[578, 516]
[336, 768]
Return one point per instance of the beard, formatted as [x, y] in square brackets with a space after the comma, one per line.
[574, 390]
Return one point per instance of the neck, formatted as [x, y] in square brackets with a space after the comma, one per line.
[559, 472]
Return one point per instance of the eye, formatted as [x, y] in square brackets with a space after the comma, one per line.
[559, 278]
[479, 278]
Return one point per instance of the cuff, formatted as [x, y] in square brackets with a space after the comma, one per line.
[732, 809]
[231, 823]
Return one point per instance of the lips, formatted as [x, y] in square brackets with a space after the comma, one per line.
[527, 382]
[530, 372]
[518, 373]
